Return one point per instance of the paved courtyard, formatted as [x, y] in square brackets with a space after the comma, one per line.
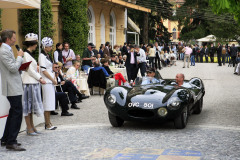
[214, 134]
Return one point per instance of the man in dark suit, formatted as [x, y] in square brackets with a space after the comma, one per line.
[212, 52]
[144, 47]
[12, 89]
[131, 64]
[67, 86]
[233, 52]
[206, 52]
[62, 98]
[106, 49]
[201, 54]
[124, 49]
[219, 54]
[197, 52]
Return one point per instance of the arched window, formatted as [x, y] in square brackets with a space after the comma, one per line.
[102, 20]
[174, 33]
[91, 23]
[112, 32]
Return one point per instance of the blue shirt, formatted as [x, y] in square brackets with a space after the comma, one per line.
[149, 81]
[104, 70]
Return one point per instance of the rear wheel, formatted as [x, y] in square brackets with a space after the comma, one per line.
[114, 120]
[199, 106]
[181, 121]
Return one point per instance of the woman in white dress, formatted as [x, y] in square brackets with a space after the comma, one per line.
[32, 101]
[48, 90]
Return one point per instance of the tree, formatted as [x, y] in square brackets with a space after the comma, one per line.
[225, 31]
[29, 20]
[189, 16]
[226, 6]
[75, 23]
[198, 20]
[151, 24]
[0, 19]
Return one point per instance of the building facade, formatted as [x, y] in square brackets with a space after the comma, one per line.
[173, 25]
[107, 21]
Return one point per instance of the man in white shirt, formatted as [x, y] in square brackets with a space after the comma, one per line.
[141, 60]
[68, 54]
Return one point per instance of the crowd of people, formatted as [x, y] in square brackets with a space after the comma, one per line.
[33, 87]
[225, 54]
[38, 88]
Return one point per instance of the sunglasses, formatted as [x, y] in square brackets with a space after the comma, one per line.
[56, 67]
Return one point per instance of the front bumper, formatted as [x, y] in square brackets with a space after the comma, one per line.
[141, 114]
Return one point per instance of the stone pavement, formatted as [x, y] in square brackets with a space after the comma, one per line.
[214, 134]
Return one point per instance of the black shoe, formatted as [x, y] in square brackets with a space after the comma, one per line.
[3, 144]
[79, 101]
[54, 113]
[84, 97]
[235, 73]
[15, 147]
[74, 106]
[66, 114]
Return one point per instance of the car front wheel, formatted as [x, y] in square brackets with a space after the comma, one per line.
[181, 121]
[114, 120]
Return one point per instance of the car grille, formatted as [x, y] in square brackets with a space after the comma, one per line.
[141, 113]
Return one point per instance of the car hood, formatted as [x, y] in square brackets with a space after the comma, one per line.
[151, 94]
[154, 94]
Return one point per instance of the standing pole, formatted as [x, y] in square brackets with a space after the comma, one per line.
[39, 29]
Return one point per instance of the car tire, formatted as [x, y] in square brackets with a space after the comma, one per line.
[115, 121]
[198, 106]
[181, 121]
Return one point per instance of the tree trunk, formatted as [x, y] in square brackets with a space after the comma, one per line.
[145, 28]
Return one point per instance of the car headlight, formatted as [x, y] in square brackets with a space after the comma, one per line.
[162, 112]
[173, 103]
[111, 99]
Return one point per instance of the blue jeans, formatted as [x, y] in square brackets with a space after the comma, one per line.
[181, 56]
[85, 68]
[192, 60]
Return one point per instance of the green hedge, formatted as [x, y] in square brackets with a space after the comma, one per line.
[75, 23]
[29, 20]
[0, 19]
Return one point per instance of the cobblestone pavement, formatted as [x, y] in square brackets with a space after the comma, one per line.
[214, 134]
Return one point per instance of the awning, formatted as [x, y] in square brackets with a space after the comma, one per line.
[133, 26]
[25, 4]
[209, 38]
[129, 5]
[20, 4]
